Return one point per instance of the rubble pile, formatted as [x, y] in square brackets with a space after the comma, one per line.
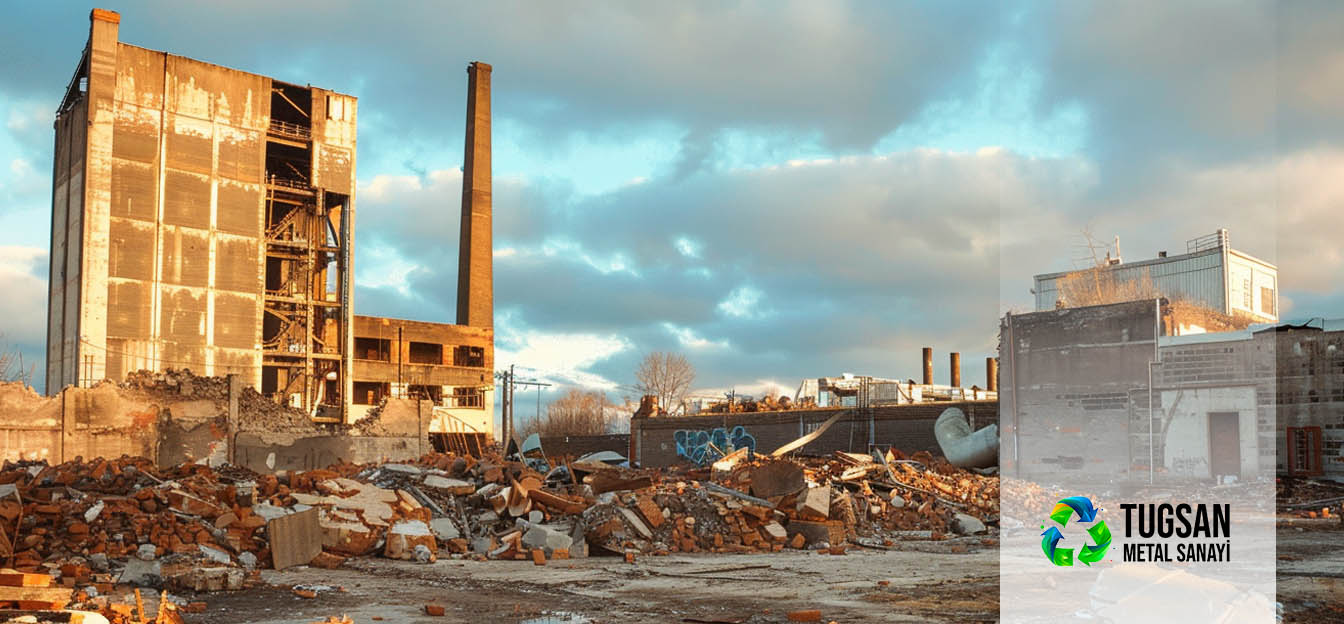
[1309, 498]
[1037, 500]
[256, 412]
[91, 525]
[765, 404]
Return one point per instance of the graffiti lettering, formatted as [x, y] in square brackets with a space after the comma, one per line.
[705, 446]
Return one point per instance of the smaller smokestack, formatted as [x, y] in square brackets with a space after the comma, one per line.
[956, 369]
[928, 366]
[991, 374]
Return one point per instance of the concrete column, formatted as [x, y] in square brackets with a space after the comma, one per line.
[991, 374]
[475, 285]
[235, 391]
[956, 369]
[93, 245]
[928, 366]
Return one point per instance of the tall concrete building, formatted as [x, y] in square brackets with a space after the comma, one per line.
[203, 218]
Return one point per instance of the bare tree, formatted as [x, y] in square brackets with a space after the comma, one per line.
[667, 376]
[12, 367]
[1097, 286]
[575, 413]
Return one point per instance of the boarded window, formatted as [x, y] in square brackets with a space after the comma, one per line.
[1267, 301]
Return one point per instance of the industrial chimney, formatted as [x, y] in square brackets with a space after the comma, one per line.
[956, 369]
[928, 366]
[475, 282]
[991, 374]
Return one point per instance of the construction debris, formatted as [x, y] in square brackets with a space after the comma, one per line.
[94, 524]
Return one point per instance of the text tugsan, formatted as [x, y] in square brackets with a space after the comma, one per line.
[1182, 521]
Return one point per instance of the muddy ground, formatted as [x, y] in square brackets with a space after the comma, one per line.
[950, 581]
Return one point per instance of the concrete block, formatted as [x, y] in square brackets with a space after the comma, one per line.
[815, 503]
[967, 525]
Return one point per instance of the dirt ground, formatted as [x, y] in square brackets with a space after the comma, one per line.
[1310, 581]
[949, 581]
[918, 581]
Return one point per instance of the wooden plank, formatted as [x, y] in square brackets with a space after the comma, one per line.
[801, 442]
[11, 578]
[55, 596]
[295, 539]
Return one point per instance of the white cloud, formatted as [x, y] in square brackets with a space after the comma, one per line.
[687, 247]
[24, 304]
[560, 357]
[742, 303]
[687, 337]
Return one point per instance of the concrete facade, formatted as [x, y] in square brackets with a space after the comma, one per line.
[1067, 380]
[203, 219]
[1291, 380]
[160, 220]
[1244, 403]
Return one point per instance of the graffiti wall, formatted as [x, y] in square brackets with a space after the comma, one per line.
[706, 446]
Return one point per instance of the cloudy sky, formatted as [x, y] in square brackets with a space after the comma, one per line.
[778, 190]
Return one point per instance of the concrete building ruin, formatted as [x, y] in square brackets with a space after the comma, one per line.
[1211, 274]
[204, 218]
[1128, 392]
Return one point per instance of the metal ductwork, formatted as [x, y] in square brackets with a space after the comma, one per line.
[962, 447]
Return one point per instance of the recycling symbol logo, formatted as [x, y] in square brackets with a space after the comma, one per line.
[1064, 510]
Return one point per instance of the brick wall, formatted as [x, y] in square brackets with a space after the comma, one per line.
[667, 441]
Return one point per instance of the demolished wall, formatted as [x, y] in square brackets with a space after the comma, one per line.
[175, 417]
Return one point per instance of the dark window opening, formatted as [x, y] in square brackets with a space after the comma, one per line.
[379, 349]
[370, 392]
[469, 356]
[425, 353]
[291, 104]
[287, 165]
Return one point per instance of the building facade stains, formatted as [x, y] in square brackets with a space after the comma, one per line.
[1237, 404]
[203, 218]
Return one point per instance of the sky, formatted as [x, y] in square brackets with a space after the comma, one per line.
[777, 190]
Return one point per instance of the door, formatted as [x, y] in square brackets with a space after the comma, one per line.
[1224, 444]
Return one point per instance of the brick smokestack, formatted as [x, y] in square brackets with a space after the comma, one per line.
[928, 366]
[991, 374]
[956, 369]
[475, 263]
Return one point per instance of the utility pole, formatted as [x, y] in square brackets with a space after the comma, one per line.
[511, 405]
[508, 407]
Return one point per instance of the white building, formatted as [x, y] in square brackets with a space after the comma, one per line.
[1210, 273]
